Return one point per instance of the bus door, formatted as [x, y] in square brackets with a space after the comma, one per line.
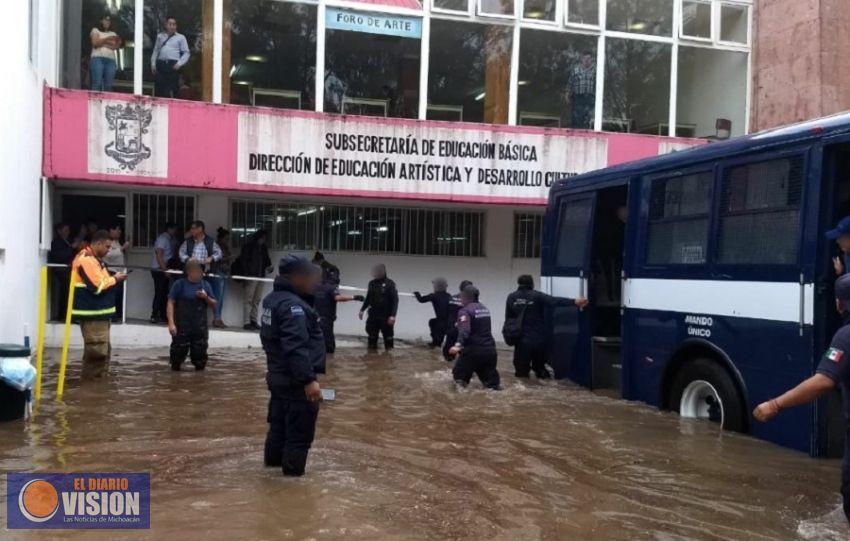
[566, 271]
[834, 205]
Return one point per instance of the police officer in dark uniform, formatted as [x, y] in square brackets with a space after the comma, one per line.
[529, 306]
[455, 304]
[382, 303]
[833, 370]
[475, 344]
[295, 355]
[325, 300]
[439, 300]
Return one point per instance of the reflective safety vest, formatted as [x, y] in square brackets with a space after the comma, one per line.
[94, 293]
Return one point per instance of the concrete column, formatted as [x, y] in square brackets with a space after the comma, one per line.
[799, 61]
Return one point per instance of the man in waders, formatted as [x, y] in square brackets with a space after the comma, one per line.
[188, 302]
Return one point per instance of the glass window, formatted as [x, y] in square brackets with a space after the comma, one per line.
[712, 86]
[97, 45]
[641, 16]
[272, 54]
[152, 211]
[248, 217]
[637, 86]
[452, 5]
[760, 213]
[470, 71]
[696, 19]
[734, 23]
[178, 68]
[496, 7]
[583, 12]
[542, 10]
[678, 220]
[573, 233]
[371, 74]
[557, 79]
[528, 233]
[341, 228]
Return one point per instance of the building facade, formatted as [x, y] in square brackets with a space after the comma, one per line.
[428, 144]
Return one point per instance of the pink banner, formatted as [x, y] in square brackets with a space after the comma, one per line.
[134, 140]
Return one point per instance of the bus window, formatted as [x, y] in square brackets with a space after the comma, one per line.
[678, 220]
[573, 228]
[760, 213]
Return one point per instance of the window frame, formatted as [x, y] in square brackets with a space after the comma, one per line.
[538, 219]
[713, 22]
[778, 272]
[646, 220]
[551, 24]
[474, 248]
[557, 268]
[470, 9]
[565, 17]
[719, 25]
[131, 219]
[503, 16]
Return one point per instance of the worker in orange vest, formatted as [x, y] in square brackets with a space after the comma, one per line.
[94, 303]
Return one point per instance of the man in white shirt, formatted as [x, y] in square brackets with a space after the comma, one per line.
[170, 54]
[163, 252]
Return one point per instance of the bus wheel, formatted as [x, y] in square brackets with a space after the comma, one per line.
[703, 389]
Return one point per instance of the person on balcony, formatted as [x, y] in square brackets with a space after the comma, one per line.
[170, 54]
[104, 43]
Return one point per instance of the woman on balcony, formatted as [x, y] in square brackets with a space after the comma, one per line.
[104, 43]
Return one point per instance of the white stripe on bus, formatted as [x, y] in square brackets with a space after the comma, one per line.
[773, 301]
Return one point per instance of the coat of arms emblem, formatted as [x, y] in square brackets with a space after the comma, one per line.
[128, 122]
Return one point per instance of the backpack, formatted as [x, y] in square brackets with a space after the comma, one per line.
[512, 328]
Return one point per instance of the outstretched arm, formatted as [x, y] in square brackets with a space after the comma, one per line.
[808, 391]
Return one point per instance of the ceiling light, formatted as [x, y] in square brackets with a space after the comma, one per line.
[638, 26]
[256, 58]
[480, 97]
[524, 83]
[244, 83]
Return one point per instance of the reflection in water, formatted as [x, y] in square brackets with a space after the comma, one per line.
[402, 455]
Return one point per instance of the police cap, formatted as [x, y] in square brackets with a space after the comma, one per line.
[293, 264]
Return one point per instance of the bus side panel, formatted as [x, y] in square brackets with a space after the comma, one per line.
[770, 356]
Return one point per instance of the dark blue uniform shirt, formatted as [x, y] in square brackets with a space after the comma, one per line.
[455, 304]
[835, 364]
[292, 340]
[325, 300]
[474, 329]
[440, 300]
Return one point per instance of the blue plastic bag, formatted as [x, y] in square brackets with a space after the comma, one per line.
[17, 372]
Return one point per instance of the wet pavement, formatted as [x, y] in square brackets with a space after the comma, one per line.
[402, 455]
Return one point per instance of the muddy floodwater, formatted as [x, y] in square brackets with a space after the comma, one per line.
[402, 455]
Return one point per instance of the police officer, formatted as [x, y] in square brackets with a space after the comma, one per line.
[382, 303]
[295, 354]
[528, 307]
[841, 236]
[439, 300]
[475, 344]
[833, 370]
[325, 300]
[455, 304]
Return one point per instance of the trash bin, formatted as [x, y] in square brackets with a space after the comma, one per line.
[15, 381]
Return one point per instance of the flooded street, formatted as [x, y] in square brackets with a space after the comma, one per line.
[402, 455]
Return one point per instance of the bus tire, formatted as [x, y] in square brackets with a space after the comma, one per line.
[704, 389]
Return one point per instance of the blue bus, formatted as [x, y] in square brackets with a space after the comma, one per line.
[709, 277]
